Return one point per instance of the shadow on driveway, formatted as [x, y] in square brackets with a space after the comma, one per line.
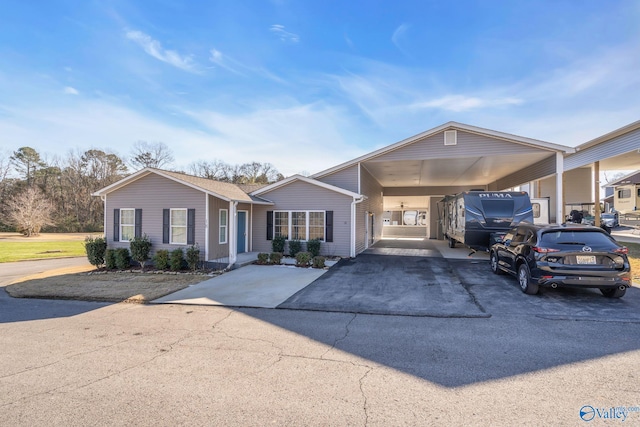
[395, 285]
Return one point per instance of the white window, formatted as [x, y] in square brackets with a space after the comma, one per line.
[299, 225]
[224, 222]
[178, 226]
[316, 225]
[281, 224]
[624, 193]
[127, 224]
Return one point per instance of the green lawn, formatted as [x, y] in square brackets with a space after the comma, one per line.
[18, 251]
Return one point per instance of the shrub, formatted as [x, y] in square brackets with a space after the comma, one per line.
[313, 247]
[95, 248]
[263, 258]
[110, 259]
[303, 259]
[161, 259]
[277, 244]
[318, 262]
[275, 258]
[193, 257]
[176, 259]
[140, 249]
[295, 246]
[123, 258]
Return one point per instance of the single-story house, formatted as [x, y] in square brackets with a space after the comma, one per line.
[392, 191]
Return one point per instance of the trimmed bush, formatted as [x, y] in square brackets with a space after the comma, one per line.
[303, 259]
[313, 247]
[275, 258]
[176, 259]
[161, 259]
[140, 249]
[95, 248]
[263, 258]
[318, 262]
[295, 246]
[123, 258]
[193, 257]
[277, 244]
[110, 259]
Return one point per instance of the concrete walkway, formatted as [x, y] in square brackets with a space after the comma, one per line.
[251, 286]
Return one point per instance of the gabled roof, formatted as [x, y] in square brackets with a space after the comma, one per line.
[613, 134]
[632, 178]
[311, 181]
[223, 190]
[449, 126]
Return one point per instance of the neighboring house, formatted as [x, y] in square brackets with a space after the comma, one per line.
[626, 193]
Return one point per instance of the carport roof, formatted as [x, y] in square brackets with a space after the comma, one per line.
[469, 170]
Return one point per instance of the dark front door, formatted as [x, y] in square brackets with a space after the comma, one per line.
[242, 232]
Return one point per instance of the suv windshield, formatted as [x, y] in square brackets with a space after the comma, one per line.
[576, 237]
[608, 216]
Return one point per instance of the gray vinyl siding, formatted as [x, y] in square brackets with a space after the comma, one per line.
[627, 143]
[469, 145]
[345, 178]
[372, 189]
[301, 196]
[543, 168]
[577, 185]
[152, 194]
[217, 250]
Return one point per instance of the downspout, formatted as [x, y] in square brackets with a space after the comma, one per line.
[104, 220]
[232, 239]
[353, 224]
[207, 230]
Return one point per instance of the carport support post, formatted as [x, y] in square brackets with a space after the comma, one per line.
[596, 192]
[559, 188]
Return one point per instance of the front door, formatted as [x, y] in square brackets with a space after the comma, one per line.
[242, 231]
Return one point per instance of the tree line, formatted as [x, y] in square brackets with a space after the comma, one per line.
[54, 194]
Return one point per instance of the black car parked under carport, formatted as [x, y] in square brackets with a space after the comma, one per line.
[562, 255]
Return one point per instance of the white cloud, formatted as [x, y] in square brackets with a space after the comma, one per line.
[293, 138]
[237, 67]
[284, 35]
[155, 49]
[399, 34]
[70, 91]
[464, 103]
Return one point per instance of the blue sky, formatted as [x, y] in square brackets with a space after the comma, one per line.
[306, 85]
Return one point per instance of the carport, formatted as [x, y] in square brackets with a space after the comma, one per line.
[403, 182]
[616, 150]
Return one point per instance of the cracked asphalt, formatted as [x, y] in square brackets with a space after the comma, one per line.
[76, 363]
[529, 361]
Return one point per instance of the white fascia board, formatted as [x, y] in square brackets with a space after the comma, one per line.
[294, 178]
[613, 134]
[448, 126]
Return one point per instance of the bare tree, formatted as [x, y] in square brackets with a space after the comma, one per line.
[215, 169]
[150, 155]
[29, 211]
[258, 173]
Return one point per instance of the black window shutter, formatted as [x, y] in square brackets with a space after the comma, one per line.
[269, 225]
[191, 226]
[165, 225]
[329, 226]
[116, 225]
[138, 225]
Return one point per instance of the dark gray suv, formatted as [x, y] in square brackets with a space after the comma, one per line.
[563, 255]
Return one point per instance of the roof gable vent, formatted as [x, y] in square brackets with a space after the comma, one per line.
[450, 137]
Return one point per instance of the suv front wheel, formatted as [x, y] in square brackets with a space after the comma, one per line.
[524, 279]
